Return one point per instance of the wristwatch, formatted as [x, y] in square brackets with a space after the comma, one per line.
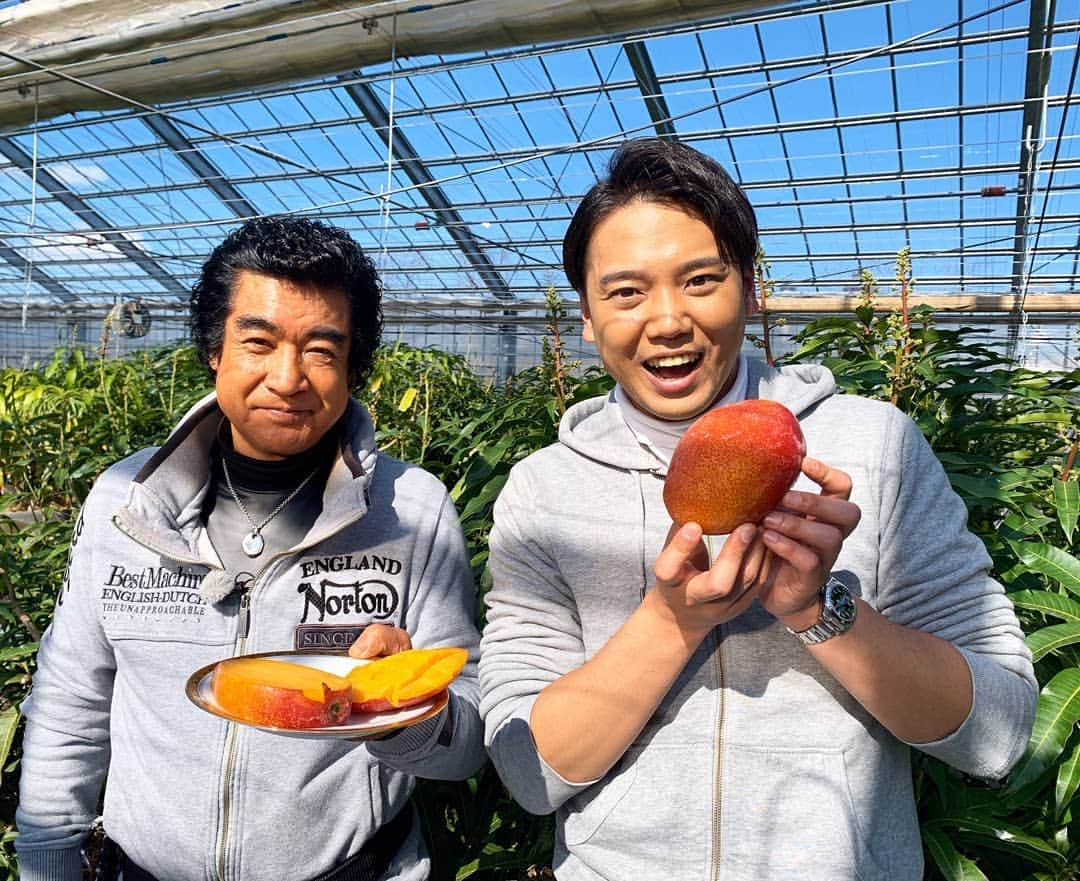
[837, 614]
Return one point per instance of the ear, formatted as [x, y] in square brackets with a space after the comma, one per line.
[214, 361]
[586, 320]
[751, 306]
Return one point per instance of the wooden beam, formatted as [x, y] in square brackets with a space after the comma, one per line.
[1069, 303]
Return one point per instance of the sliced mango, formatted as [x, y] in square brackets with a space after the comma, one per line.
[404, 679]
[264, 691]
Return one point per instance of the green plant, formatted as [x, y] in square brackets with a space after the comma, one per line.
[420, 400]
[1007, 438]
[61, 425]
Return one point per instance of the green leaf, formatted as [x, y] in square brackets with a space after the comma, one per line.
[1049, 639]
[953, 865]
[486, 496]
[1055, 717]
[1053, 562]
[1067, 503]
[9, 722]
[980, 488]
[1068, 779]
[993, 832]
[1047, 603]
[1054, 416]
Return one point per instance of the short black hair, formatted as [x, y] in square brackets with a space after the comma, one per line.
[300, 250]
[671, 173]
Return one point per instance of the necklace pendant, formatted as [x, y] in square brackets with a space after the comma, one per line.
[253, 544]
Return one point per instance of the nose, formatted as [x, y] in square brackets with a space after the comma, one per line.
[284, 374]
[667, 317]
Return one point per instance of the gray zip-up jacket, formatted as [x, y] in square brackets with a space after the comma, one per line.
[191, 797]
[758, 765]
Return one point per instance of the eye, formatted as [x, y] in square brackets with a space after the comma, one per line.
[704, 280]
[321, 354]
[622, 295]
[257, 344]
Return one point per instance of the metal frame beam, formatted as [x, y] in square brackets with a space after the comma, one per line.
[1037, 75]
[14, 258]
[77, 206]
[203, 168]
[649, 84]
[734, 132]
[413, 166]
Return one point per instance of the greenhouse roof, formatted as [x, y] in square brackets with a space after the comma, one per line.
[856, 128]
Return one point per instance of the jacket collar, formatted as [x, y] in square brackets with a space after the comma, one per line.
[163, 508]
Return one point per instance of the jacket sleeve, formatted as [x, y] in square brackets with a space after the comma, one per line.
[65, 750]
[442, 613]
[532, 638]
[934, 576]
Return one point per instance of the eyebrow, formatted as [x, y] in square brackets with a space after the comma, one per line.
[255, 322]
[689, 266]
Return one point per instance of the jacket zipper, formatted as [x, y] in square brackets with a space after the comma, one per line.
[243, 623]
[718, 786]
[243, 626]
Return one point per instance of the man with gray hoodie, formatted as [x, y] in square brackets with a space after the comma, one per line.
[267, 522]
[751, 717]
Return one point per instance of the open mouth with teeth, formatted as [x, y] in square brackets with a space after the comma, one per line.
[672, 366]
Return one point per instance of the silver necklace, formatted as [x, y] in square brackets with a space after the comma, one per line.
[253, 543]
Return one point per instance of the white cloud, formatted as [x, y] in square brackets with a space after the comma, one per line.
[76, 174]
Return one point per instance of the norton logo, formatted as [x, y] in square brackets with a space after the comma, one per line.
[374, 598]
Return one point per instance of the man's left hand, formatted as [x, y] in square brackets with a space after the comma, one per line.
[804, 536]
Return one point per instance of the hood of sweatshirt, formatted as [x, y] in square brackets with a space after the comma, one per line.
[596, 429]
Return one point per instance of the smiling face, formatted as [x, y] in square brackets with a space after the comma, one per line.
[282, 372]
[664, 308]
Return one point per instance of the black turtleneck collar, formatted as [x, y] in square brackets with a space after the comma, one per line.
[262, 475]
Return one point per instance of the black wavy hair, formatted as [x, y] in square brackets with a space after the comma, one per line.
[302, 251]
[671, 173]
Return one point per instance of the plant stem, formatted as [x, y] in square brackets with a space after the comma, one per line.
[20, 613]
[761, 266]
[1070, 459]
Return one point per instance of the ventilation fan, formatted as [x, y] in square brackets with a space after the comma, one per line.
[132, 318]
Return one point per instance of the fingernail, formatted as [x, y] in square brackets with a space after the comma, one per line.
[746, 533]
[690, 532]
[772, 519]
[792, 500]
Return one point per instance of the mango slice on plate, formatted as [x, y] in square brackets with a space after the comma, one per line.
[404, 679]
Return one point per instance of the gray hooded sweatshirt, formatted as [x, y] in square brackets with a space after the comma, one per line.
[191, 797]
[757, 764]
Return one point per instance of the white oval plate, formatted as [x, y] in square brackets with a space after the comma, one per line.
[358, 726]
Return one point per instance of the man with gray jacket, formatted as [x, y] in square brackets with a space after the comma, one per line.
[746, 713]
[268, 521]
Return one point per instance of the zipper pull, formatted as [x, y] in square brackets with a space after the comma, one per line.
[244, 618]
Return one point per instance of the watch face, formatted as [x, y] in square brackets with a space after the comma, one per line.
[838, 599]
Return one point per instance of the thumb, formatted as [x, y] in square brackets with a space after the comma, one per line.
[680, 551]
[379, 639]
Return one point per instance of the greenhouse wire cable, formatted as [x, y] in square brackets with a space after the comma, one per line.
[556, 188]
[33, 210]
[389, 139]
